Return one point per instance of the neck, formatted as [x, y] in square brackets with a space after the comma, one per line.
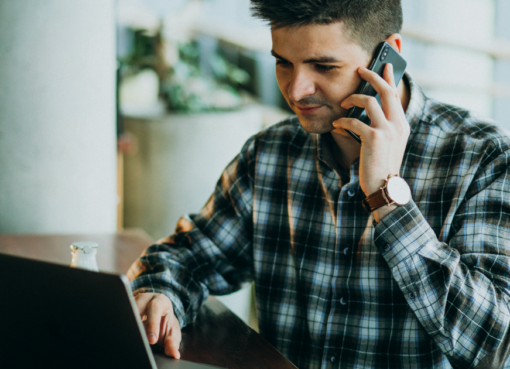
[347, 149]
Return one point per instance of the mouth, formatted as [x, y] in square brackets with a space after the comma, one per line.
[308, 109]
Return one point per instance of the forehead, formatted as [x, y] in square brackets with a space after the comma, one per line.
[303, 42]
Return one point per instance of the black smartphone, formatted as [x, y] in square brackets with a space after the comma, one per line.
[383, 55]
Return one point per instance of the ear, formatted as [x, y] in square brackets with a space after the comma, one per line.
[395, 40]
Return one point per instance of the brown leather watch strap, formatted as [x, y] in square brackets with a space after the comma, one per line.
[375, 200]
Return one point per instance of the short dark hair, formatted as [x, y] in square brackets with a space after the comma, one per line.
[367, 22]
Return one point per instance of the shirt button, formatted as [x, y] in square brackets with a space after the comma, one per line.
[346, 251]
[351, 193]
[411, 296]
[332, 359]
[387, 247]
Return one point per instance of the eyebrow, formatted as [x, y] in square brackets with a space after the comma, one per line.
[320, 59]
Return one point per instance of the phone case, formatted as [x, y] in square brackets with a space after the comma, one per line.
[383, 55]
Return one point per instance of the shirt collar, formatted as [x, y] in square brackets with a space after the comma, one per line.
[417, 101]
[325, 153]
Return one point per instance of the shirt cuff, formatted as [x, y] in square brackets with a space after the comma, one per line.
[402, 233]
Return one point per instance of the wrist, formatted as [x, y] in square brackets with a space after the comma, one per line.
[395, 192]
[380, 213]
[372, 187]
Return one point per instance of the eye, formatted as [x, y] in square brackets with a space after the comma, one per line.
[324, 68]
[282, 63]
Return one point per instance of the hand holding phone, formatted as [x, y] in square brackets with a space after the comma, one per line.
[383, 55]
[385, 138]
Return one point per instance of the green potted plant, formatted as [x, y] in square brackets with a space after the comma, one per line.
[164, 52]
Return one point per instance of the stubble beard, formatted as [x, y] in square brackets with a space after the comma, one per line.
[322, 124]
[318, 124]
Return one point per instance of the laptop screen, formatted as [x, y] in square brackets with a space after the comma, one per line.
[61, 317]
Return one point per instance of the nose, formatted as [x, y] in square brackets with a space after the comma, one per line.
[300, 86]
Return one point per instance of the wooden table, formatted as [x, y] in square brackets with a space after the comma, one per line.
[218, 337]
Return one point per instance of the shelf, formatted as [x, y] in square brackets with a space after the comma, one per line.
[496, 48]
[259, 39]
[428, 81]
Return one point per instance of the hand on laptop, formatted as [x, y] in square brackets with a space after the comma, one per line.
[161, 325]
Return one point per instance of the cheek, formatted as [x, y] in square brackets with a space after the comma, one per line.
[341, 86]
[335, 90]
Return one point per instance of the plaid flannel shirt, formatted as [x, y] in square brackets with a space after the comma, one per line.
[427, 287]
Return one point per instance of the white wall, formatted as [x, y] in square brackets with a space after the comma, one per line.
[57, 116]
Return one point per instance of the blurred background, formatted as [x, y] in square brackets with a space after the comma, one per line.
[122, 114]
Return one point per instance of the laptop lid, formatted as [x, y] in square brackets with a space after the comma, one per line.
[61, 317]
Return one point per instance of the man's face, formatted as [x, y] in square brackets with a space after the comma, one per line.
[316, 68]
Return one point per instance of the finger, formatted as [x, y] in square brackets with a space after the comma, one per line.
[389, 76]
[388, 94]
[156, 309]
[354, 125]
[167, 322]
[371, 106]
[380, 85]
[173, 341]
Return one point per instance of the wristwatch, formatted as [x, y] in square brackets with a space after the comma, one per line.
[395, 191]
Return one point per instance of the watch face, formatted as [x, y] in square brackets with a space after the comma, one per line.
[398, 190]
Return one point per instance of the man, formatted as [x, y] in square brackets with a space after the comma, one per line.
[420, 284]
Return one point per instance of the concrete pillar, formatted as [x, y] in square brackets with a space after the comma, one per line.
[57, 116]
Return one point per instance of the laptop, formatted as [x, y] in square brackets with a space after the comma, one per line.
[54, 316]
